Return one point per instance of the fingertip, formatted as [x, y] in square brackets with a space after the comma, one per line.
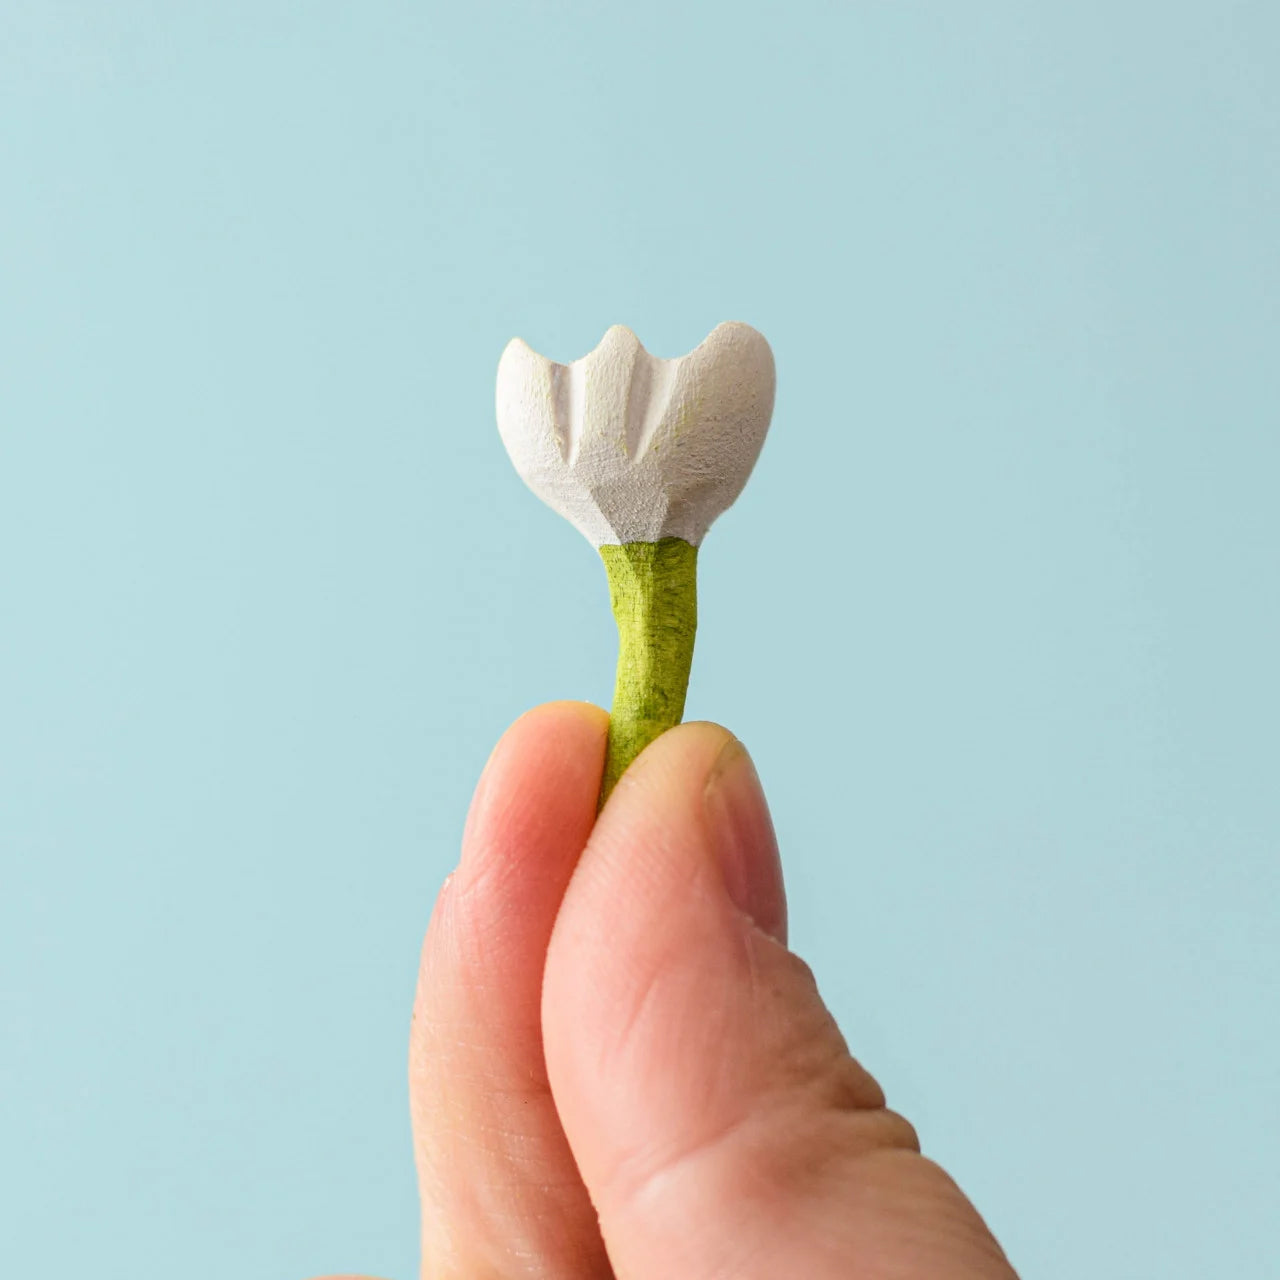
[567, 711]
[662, 770]
[562, 726]
[544, 769]
[695, 790]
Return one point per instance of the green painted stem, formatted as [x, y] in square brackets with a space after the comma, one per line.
[653, 590]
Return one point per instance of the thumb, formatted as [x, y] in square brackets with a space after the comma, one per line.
[717, 1118]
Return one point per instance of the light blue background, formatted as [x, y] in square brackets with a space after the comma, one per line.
[997, 614]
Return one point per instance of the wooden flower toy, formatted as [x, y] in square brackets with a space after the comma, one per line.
[641, 455]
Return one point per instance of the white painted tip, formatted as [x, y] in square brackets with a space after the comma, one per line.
[633, 448]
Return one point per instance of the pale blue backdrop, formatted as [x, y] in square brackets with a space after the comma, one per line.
[997, 614]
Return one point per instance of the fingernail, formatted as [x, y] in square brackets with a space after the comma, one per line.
[743, 834]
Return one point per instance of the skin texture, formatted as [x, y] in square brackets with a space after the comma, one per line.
[617, 1068]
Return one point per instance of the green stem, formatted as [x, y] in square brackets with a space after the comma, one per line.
[653, 591]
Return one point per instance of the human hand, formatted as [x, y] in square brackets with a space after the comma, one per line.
[616, 1066]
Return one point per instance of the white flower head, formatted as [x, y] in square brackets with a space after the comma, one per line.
[632, 448]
